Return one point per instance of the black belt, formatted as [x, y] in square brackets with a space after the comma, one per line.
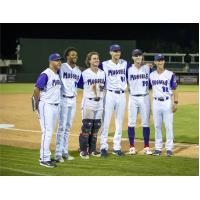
[161, 98]
[95, 99]
[68, 96]
[54, 104]
[117, 92]
[139, 95]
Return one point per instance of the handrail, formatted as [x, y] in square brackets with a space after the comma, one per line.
[7, 63]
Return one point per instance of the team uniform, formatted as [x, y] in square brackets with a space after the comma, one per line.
[162, 85]
[69, 79]
[92, 110]
[139, 101]
[115, 100]
[49, 84]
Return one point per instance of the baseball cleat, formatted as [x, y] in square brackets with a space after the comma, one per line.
[96, 154]
[147, 151]
[169, 153]
[68, 157]
[104, 153]
[59, 159]
[84, 155]
[157, 153]
[132, 151]
[118, 153]
[48, 164]
[52, 160]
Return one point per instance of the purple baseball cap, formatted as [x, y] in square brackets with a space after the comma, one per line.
[55, 56]
[136, 52]
[159, 57]
[115, 47]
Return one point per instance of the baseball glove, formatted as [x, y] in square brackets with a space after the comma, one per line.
[34, 103]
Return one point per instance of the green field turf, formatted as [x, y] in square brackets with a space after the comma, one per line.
[16, 161]
[188, 88]
[16, 88]
[186, 125]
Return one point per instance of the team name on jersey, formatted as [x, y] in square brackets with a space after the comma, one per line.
[159, 82]
[94, 81]
[70, 75]
[139, 76]
[56, 82]
[115, 72]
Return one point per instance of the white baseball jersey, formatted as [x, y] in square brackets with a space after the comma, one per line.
[163, 83]
[88, 79]
[115, 74]
[49, 83]
[69, 77]
[138, 79]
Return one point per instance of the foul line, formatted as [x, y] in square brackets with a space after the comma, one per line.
[109, 137]
[23, 130]
[23, 171]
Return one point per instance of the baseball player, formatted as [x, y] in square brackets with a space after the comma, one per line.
[46, 98]
[165, 100]
[139, 101]
[69, 76]
[115, 99]
[93, 81]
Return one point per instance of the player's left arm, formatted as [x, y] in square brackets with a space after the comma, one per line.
[173, 85]
[80, 82]
[175, 104]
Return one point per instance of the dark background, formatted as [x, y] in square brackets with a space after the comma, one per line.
[168, 38]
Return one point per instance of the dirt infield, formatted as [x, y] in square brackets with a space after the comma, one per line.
[16, 110]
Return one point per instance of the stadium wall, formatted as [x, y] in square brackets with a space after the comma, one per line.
[35, 52]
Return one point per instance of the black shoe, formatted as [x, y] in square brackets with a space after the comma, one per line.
[157, 153]
[48, 164]
[118, 153]
[95, 153]
[52, 160]
[84, 155]
[104, 153]
[58, 159]
[169, 153]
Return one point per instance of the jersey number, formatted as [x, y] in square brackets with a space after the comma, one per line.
[165, 89]
[123, 79]
[144, 83]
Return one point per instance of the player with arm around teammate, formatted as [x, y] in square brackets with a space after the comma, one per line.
[139, 100]
[165, 100]
[69, 76]
[47, 97]
[92, 81]
[115, 99]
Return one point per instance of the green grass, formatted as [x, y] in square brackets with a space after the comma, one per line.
[188, 88]
[17, 88]
[186, 125]
[16, 161]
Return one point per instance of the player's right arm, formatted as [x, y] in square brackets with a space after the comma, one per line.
[36, 93]
[40, 85]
